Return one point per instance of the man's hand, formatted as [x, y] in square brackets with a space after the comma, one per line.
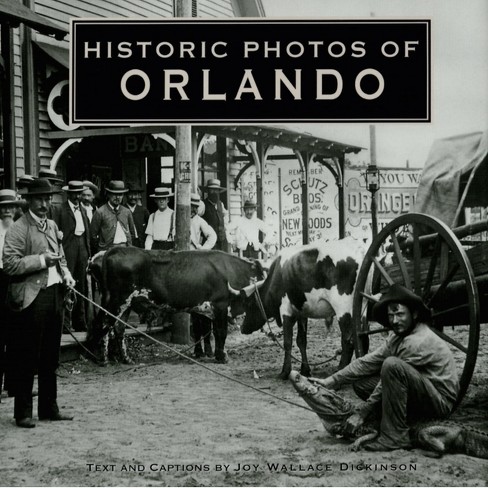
[328, 383]
[353, 423]
[69, 281]
[51, 258]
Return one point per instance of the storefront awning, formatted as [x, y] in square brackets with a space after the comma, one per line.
[276, 136]
[59, 54]
[14, 13]
[283, 137]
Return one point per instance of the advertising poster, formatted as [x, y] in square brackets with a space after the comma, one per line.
[238, 235]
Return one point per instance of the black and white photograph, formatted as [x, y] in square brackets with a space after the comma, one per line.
[243, 243]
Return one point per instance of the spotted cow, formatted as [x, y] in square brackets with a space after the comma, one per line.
[312, 281]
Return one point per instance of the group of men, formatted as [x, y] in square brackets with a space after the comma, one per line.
[411, 375]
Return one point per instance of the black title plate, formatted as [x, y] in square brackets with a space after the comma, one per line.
[245, 71]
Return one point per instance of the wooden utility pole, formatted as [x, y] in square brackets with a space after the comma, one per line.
[183, 177]
[373, 188]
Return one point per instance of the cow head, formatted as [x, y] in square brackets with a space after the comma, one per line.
[250, 298]
[95, 266]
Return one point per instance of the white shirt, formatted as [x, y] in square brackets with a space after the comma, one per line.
[247, 232]
[3, 231]
[53, 276]
[198, 227]
[160, 227]
[80, 226]
[120, 236]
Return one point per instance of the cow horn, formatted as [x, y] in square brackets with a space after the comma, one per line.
[249, 289]
[233, 291]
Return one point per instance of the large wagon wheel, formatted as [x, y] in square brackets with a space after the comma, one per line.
[425, 256]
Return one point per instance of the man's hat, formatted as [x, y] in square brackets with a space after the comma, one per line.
[249, 204]
[195, 199]
[8, 197]
[399, 294]
[116, 186]
[25, 180]
[50, 174]
[161, 193]
[41, 186]
[215, 184]
[90, 185]
[74, 187]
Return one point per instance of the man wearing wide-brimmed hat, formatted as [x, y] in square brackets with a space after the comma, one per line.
[411, 377]
[216, 214]
[8, 204]
[249, 231]
[202, 236]
[160, 228]
[112, 223]
[33, 257]
[140, 214]
[73, 223]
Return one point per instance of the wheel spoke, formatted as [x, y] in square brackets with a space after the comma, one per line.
[383, 271]
[450, 340]
[444, 284]
[416, 259]
[369, 297]
[432, 266]
[450, 310]
[401, 261]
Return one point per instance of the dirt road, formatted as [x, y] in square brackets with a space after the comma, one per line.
[168, 422]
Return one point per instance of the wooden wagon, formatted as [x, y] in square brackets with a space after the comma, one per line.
[437, 251]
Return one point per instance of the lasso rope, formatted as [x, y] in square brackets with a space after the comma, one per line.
[235, 380]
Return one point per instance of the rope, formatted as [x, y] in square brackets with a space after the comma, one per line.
[219, 373]
[272, 335]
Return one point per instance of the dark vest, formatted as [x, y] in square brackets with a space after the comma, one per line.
[215, 218]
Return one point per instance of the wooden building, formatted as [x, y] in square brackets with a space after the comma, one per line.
[36, 132]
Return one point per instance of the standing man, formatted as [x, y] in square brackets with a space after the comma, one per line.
[247, 232]
[52, 176]
[412, 376]
[88, 198]
[199, 227]
[160, 229]
[73, 222]
[33, 257]
[112, 223]
[8, 204]
[216, 214]
[140, 215]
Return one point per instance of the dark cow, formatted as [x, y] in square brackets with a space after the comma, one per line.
[313, 281]
[179, 279]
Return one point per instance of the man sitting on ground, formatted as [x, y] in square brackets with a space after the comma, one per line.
[412, 376]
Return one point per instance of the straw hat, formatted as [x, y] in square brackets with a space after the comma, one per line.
[8, 197]
[214, 183]
[162, 193]
[74, 187]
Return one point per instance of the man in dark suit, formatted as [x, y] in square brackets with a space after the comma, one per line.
[216, 215]
[140, 215]
[34, 259]
[73, 223]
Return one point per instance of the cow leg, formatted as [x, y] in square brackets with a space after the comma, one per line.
[220, 334]
[207, 337]
[345, 324]
[302, 345]
[288, 323]
[197, 333]
[119, 330]
[105, 341]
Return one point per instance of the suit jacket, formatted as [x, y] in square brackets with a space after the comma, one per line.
[65, 219]
[141, 217]
[24, 243]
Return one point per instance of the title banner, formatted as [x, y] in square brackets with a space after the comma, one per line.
[244, 71]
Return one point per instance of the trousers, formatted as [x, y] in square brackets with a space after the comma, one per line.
[34, 343]
[407, 397]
